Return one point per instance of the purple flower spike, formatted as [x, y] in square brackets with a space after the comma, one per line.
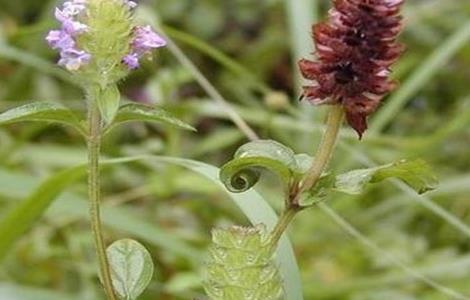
[73, 59]
[131, 61]
[146, 39]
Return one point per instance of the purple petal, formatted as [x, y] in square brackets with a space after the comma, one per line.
[69, 25]
[131, 61]
[74, 28]
[73, 8]
[73, 59]
[145, 39]
[130, 4]
[59, 39]
[60, 15]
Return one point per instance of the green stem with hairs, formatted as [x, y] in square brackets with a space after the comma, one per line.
[325, 150]
[94, 145]
[321, 160]
[281, 226]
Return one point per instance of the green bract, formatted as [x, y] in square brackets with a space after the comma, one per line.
[241, 265]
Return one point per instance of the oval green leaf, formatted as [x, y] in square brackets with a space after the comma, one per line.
[108, 101]
[137, 112]
[131, 268]
[41, 112]
[417, 174]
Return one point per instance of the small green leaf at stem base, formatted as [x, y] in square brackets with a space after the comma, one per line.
[108, 100]
[131, 268]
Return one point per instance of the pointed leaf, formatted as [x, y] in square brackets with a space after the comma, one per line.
[108, 102]
[243, 172]
[137, 112]
[41, 112]
[417, 174]
[131, 268]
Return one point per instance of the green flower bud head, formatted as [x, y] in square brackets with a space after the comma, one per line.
[108, 40]
[241, 266]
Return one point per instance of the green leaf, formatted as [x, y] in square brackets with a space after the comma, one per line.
[108, 102]
[41, 112]
[131, 268]
[417, 174]
[137, 112]
[243, 172]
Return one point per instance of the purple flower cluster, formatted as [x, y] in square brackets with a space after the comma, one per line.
[143, 42]
[144, 39]
[64, 39]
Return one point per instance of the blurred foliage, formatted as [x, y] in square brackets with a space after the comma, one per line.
[55, 260]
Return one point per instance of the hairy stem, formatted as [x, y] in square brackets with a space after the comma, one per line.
[322, 157]
[281, 226]
[94, 144]
[325, 150]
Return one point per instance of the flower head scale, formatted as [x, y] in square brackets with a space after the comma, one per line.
[355, 48]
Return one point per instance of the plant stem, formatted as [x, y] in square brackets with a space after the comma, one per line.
[281, 226]
[325, 150]
[322, 157]
[94, 145]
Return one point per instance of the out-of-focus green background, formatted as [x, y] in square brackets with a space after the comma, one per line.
[247, 50]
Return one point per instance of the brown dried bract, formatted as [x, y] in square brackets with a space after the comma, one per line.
[355, 48]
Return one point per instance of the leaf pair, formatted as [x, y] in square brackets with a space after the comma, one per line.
[244, 171]
[55, 113]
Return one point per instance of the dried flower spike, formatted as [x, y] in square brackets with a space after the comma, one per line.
[355, 48]
[98, 40]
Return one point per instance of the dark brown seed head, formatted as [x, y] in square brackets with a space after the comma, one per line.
[355, 49]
